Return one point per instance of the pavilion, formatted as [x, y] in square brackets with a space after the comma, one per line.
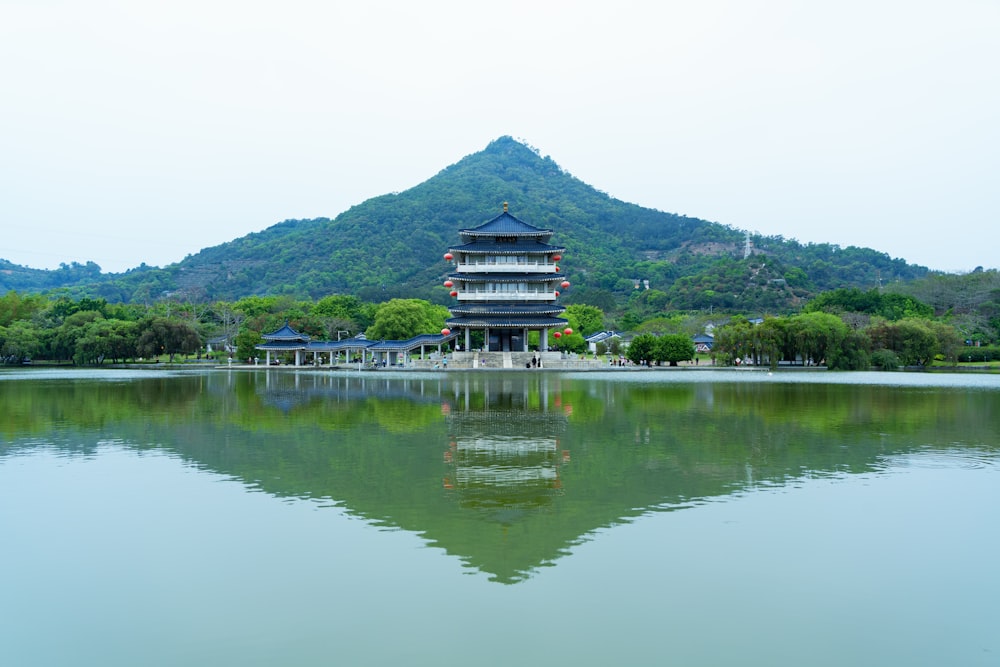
[287, 340]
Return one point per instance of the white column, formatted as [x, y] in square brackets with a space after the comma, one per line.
[543, 340]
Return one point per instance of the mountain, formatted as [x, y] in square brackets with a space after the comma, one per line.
[392, 246]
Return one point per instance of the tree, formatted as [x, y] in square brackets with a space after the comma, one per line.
[160, 335]
[642, 349]
[585, 319]
[400, 319]
[18, 342]
[733, 340]
[674, 348]
[815, 334]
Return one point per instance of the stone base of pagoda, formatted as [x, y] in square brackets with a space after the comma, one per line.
[522, 360]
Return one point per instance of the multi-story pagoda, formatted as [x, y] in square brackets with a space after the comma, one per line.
[506, 283]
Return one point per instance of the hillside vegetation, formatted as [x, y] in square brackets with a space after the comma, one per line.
[391, 247]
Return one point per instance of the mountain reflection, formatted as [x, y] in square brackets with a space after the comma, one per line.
[506, 471]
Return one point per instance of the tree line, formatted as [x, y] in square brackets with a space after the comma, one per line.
[956, 319]
[93, 332]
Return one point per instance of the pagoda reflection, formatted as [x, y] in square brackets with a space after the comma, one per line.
[504, 454]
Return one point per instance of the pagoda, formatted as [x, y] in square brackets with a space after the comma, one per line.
[506, 284]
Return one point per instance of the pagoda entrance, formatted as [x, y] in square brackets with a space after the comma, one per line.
[507, 340]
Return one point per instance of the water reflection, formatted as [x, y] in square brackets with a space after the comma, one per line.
[504, 455]
[505, 471]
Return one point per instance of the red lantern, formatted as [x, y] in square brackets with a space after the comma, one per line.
[448, 283]
[557, 293]
[445, 332]
[557, 269]
[448, 257]
[565, 284]
[557, 335]
[556, 258]
[454, 293]
[568, 331]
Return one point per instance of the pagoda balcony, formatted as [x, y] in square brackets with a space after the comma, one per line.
[497, 295]
[523, 267]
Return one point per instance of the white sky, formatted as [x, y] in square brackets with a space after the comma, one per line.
[145, 131]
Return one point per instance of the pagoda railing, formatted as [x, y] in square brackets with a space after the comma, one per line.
[523, 267]
[498, 295]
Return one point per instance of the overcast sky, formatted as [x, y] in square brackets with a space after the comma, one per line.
[138, 132]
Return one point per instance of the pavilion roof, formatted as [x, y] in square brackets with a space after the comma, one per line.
[412, 343]
[285, 333]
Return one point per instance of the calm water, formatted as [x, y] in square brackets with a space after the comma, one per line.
[657, 518]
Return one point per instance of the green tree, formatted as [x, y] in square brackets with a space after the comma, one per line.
[400, 319]
[246, 342]
[18, 342]
[674, 348]
[642, 349]
[70, 331]
[160, 335]
[816, 333]
[585, 319]
[733, 340]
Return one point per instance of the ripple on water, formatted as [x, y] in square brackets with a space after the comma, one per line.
[948, 458]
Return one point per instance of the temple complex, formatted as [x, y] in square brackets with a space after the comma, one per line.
[506, 284]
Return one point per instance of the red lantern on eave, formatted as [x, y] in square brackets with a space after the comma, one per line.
[557, 269]
[565, 284]
[453, 293]
[448, 283]
[556, 258]
[448, 257]
[557, 335]
[557, 292]
[568, 331]
[446, 332]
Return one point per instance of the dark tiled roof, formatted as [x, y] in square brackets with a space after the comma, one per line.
[355, 344]
[282, 345]
[285, 333]
[412, 343]
[509, 322]
[505, 225]
[492, 309]
[490, 246]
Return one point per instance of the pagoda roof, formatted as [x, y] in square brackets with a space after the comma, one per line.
[506, 321]
[504, 309]
[507, 277]
[488, 245]
[506, 225]
[285, 333]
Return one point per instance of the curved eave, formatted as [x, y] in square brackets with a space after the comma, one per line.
[500, 322]
[489, 309]
[493, 234]
[506, 250]
[282, 346]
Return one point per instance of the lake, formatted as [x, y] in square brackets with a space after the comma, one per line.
[675, 517]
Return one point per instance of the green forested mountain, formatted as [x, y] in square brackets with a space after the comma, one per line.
[392, 246]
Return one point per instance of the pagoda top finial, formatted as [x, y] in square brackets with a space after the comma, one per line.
[505, 207]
